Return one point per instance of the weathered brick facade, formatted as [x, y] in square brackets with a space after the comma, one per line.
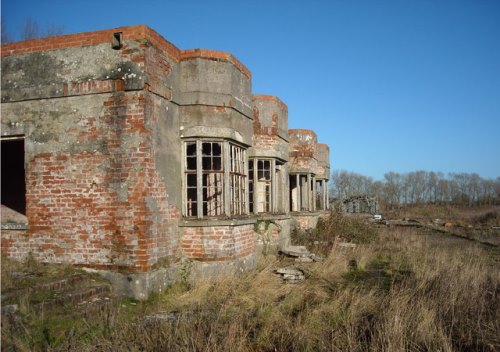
[137, 154]
[309, 173]
[218, 243]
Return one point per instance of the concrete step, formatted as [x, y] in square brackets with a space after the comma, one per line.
[77, 296]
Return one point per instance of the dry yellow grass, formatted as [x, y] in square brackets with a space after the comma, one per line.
[409, 291]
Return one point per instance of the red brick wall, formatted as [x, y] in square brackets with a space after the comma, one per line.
[15, 243]
[105, 208]
[218, 243]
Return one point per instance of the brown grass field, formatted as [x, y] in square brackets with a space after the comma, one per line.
[398, 290]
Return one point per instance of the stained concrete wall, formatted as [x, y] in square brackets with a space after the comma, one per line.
[103, 135]
[303, 144]
[270, 128]
[323, 158]
[95, 166]
[215, 98]
[270, 140]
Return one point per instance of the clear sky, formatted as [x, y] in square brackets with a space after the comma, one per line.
[390, 85]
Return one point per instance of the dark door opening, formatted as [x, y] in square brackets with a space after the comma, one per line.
[293, 185]
[13, 179]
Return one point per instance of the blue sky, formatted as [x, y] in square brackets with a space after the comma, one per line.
[390, 85]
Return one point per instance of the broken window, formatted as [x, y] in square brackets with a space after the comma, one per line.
[209, 166]
[322, 194]
[265, 187]
[212, 179]
[250, 186]
[191, 180]
[302, 192]
[280, 187]
[238, 180]
[13, 179]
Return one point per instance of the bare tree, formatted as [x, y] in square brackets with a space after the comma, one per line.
[419, 187]
[30, 29]
[54, 29]
[393, 188]
[6, 37]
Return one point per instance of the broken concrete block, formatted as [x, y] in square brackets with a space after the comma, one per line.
[316, 258]
[295, 251]
[291, 274]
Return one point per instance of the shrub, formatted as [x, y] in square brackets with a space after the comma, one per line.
[332, 228]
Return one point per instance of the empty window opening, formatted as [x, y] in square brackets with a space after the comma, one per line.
[302, 188]
[13, 179]
[322, 194]
[116, 41]
[263, 191]
[266, 186]
[279, 188]
[294, 197]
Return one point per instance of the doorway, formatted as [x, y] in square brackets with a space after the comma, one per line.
[13, 194]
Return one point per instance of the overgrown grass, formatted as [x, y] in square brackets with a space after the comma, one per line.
[403, 290]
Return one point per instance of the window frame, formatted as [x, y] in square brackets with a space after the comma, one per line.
[275, 167]
[234, 171]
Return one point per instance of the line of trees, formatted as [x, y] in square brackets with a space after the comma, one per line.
[30, 30]
[419, 187]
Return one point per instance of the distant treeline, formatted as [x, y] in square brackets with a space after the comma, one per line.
[419, 187]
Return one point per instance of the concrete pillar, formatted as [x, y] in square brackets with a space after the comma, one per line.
[313, 193]
[309, 198]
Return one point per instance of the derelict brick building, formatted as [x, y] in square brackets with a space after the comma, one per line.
[136, 155]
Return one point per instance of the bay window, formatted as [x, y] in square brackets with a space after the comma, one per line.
[214, 179]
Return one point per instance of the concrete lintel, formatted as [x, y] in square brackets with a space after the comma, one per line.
[255, 152]
[210, 132]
